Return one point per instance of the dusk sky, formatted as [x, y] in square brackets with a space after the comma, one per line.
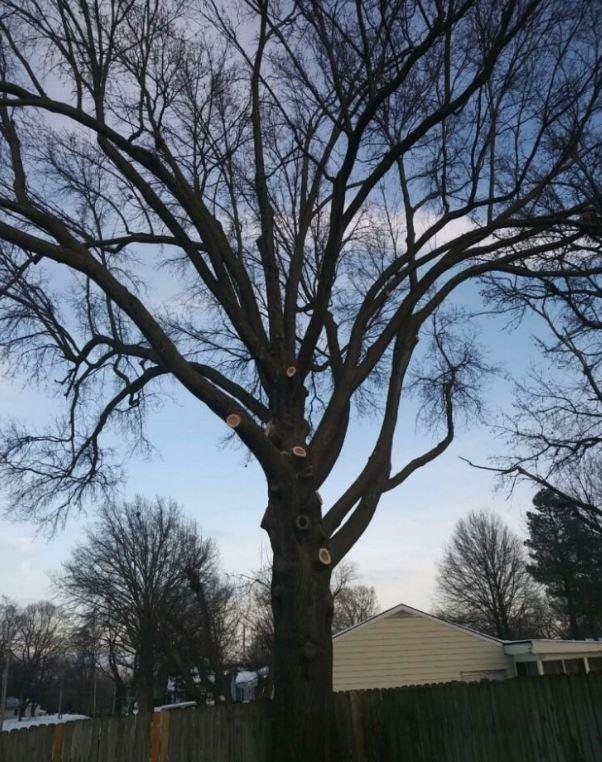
[399, 552]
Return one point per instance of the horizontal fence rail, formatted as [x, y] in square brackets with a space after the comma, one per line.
[539, 719]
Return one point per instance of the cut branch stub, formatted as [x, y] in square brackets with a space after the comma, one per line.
[324, 556]
[233, 420]
[299, 452]
[302, 522]
[291, 371]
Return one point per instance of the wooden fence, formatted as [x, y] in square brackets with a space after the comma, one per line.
[540, 719]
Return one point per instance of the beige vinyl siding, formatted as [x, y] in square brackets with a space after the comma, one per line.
[404, 649]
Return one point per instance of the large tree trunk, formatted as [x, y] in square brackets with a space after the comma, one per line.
[302, 606]
[575, 629]
[146, 671]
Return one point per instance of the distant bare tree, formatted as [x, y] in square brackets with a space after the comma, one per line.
[130, 577]
[483, 581]
[39, 641]
[202, 636]
[8, 624]
[321, 177]
[353, 603]
[353, 606]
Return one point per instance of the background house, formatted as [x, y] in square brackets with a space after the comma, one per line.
[556, 657]
[405, 646]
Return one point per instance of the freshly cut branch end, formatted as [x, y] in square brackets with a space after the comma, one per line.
[291, 371]
[233, 420]
[299, 452]
[324, 556]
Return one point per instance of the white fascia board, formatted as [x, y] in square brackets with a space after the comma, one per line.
[559, 647]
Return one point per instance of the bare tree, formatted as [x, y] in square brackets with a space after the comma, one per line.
[483, 580]
[8, 625]
[130, 577]
[554, 433]
[321, 177]
[87, 687]
[352, 603]
[203, 633]
[39, 640]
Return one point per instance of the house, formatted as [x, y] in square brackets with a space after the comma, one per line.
[11, 706]
[555, 657]
[243, 684]
[405, 646]
[246, 683]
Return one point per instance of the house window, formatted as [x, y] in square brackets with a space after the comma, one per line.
[484, 674]
[526, 668]
[595, 664]
[553, 667]
[574, 666]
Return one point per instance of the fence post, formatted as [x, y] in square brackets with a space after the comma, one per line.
[355, 699]
[155, 739]
[57, 743]
[160, 737]
[164, 736]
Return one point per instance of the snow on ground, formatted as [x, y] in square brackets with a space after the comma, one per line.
[47, 719]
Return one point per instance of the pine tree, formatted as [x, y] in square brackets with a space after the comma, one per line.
[566, 557]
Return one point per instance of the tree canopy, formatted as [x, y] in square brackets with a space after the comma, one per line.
[484, 582]
[148, 585]
[566, 557]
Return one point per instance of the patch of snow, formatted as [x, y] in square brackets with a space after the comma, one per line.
[48, 719]
[245, 676]
[179, 705]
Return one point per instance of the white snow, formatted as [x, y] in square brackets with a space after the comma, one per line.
[177, 705]
[48, 719]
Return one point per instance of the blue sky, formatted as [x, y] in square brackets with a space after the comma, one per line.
[398, 553]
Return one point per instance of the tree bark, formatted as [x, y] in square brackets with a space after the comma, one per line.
[575, 630]
[146, 673]
[302, 607]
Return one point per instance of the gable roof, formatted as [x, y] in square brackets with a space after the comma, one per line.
[403, 608]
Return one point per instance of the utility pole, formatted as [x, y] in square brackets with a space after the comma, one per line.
[4, 689]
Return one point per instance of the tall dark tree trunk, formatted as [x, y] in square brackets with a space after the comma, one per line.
[119, 700]
[221, 688]
[302, 607]
[146, 673]
[574, 628]
[23, 704]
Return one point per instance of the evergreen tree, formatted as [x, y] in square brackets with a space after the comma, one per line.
[566, 557]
